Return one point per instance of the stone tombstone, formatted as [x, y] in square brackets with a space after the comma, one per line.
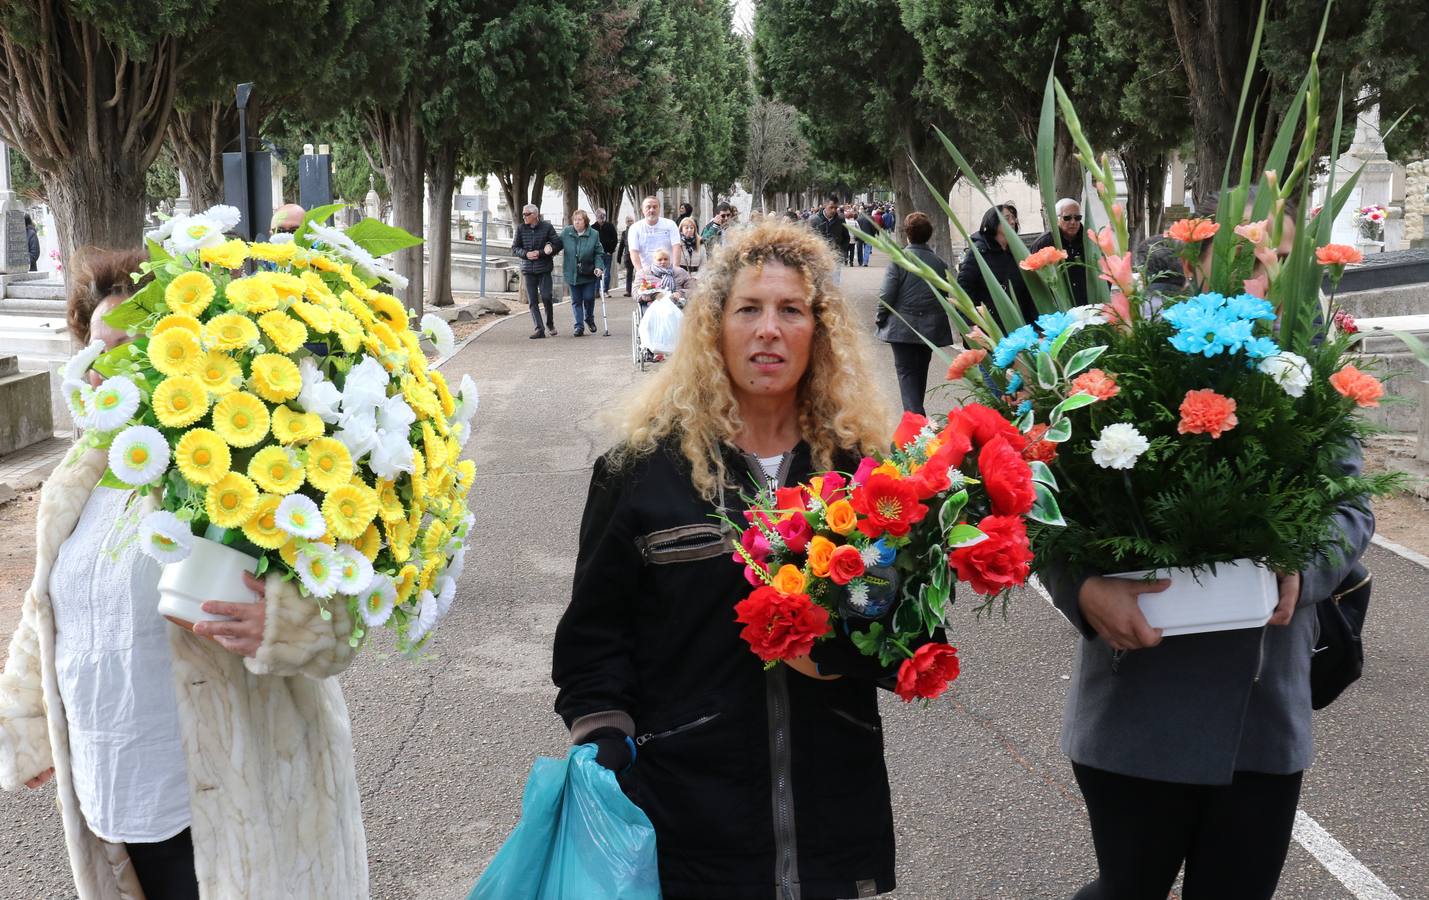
[15, 254]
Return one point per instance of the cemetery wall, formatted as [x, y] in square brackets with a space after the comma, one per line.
[1416, 199]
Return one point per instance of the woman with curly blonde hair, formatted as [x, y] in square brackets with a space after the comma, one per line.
[759, 783]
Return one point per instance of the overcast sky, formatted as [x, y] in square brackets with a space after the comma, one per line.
[744, 16]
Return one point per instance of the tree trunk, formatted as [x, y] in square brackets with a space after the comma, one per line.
[97, 203]
[398, 132]
[441, 180]
[1067, 178]
[571, 194]
[933, 161]
[538, 186]
[198, 138]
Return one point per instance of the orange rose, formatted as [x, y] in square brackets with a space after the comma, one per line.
[821, 551]
[1047, 256]
[841, 517]
[789, 580]
[1364, 389]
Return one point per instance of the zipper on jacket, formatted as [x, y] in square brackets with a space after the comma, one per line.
[786, 847]
[688, 726]
[854, 720]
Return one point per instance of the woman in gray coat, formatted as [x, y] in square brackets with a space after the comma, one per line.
[918, 313]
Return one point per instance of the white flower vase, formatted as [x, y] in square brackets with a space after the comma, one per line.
[1238, 594]
[212, 571]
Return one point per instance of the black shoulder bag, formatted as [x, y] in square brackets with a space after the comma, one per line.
[1338, 659]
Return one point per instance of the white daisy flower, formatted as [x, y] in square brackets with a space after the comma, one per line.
[192, 233]
[139, 455]
[462, 432]
[457, 564]
[858, 595]
[318, 395]
[226, 216]
[164, 537]
[446, 593]
[1119, 446]
[354, 570]
[78, 396]
[426, 618]
[469, 398]
[113, 403]
[338, 241]
[319, 570]
[78, 365]
[870, 555]
[435, 329]
[377, 601]
[299, 516]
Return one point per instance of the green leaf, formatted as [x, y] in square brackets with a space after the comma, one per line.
[1058, 431]
[868, 642]
[262, 566]
[1042, 473]
[965, 536]
[157, 253]
[1076, 401]
[1046, 371]
[1083, 358]
[1060, 342]
[1045, 509]
[379, 238]
[132, 312]
[952, 508]
[1025, 422]
[317, 214]
[110, 481]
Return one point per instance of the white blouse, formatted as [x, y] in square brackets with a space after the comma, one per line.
[115, 677]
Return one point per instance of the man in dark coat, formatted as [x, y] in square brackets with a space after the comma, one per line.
[608, 240]
[1069, 222]
[535, 243]
[829, 222]
[32, 241]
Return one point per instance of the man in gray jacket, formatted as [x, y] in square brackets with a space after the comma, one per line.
[535, 244]
[1192, 748]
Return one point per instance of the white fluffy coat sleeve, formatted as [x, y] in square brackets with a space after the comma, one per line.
[297, 640]
[24, 735]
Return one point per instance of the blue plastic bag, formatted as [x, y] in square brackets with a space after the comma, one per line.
[579, 838]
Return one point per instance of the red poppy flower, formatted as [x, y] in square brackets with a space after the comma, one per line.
[998, 563]
[780, 626]
[887, 505]
[908, 429]
[981, 424]
[1006, 477]
[928, 673]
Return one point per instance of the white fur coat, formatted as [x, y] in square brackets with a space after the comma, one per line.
[267, 740]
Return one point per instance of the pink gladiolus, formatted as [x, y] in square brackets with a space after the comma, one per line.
[1269, 258]
[1117, 271]
[1118, 310]
[1106, 239]
[1258, 233]
[1118, 212]
[1258, 286]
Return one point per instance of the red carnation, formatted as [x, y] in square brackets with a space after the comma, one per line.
[886, 505]
[1000, 562]
[927, 674]
[981, 424]
[780, 626]
[908, 429]
[846, 564]
[1007, 478]
[1037, 448]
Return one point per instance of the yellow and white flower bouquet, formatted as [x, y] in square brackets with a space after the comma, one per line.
[289, 414]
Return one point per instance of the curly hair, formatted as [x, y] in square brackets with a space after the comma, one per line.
[98, 275]
[691, 400]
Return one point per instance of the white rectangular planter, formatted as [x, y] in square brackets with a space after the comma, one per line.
[212, 571]
[1238, 594]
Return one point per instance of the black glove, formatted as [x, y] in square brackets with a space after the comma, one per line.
[613, 748]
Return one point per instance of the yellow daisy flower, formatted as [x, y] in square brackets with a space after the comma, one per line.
[289, 287]
[435, 449]
[202, 456]
[291, 427]
[422, 399]
[319, 319]
[389, 505]
[390, 311]
[281, 254]
[276, 470]
[358, 309]
[444, 393]
[466, 473]
[429, 574]
[253, 294]
[229, 331]
[232, 501]
[262, 527]
[178, 320]
[286, 332]
[348, 510]
[433, 538]
[399, 539]
[275, 378]
[179, 400]
[349, 276]
[190, 293]
[241, 419]
[228, 255]
[316, 290]
[323, 263]
[329, 464]
[406, 583]
[349, 331]
[175, 351]
[370, 544]
[219, 372]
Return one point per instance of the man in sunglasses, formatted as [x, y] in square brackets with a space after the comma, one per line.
[1069, 222]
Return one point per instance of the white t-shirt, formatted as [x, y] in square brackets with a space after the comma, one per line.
[646, 239]
[116, 679]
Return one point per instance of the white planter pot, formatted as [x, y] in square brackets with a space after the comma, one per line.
[1237, 594]
[211, 572]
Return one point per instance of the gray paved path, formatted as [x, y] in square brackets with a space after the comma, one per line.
[984, 801]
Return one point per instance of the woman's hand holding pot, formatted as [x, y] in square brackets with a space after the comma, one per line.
[1109, 606]
[1289, 595]
[244, 634]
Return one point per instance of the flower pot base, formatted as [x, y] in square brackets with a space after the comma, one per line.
[1237, 594]
[212, 571]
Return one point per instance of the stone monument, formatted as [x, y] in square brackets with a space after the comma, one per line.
[14, 242]
[1375, 185]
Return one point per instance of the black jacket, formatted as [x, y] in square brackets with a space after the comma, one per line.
[752, 779]
[608, 236]
[833, 229]
[915, 301]
[1076, 249]
[32, 241]
[1004, 268]
[536, 237]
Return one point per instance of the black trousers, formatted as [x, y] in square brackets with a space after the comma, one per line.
[538, 291]
[629, 277]
[1232, 838]
[166, 869]
[911, 361]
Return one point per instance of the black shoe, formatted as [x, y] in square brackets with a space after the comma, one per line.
[538, 333]
[590, 325]
[578, 333]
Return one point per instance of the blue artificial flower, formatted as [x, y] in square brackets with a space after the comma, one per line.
[1053, 324]
[1261, 348]
[1193, 342]
[1247, 306]
[1024, 407]
[886, 554]
[1015, 343]
[1014, 383]
[1231, 334]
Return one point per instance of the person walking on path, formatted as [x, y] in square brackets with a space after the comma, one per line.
[991, 242]
[210, 763]
[760, 783]
[652, 233]
[865, 250]
[622, 254]
[828, 223]
[715, 228]
[849, 249]
[1069, 223]
[609, 239]
[585, 266]
[692, 249]
[535, 243]
[916, 318]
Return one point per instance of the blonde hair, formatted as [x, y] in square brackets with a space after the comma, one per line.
[690, 400]
[583, 214]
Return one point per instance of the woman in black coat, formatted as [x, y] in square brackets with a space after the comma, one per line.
[760, 784]
[916, 315]
[991, 242]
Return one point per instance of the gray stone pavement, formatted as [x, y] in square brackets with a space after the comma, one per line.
[984, 801]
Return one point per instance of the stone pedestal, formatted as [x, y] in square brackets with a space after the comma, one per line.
[25, 415]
